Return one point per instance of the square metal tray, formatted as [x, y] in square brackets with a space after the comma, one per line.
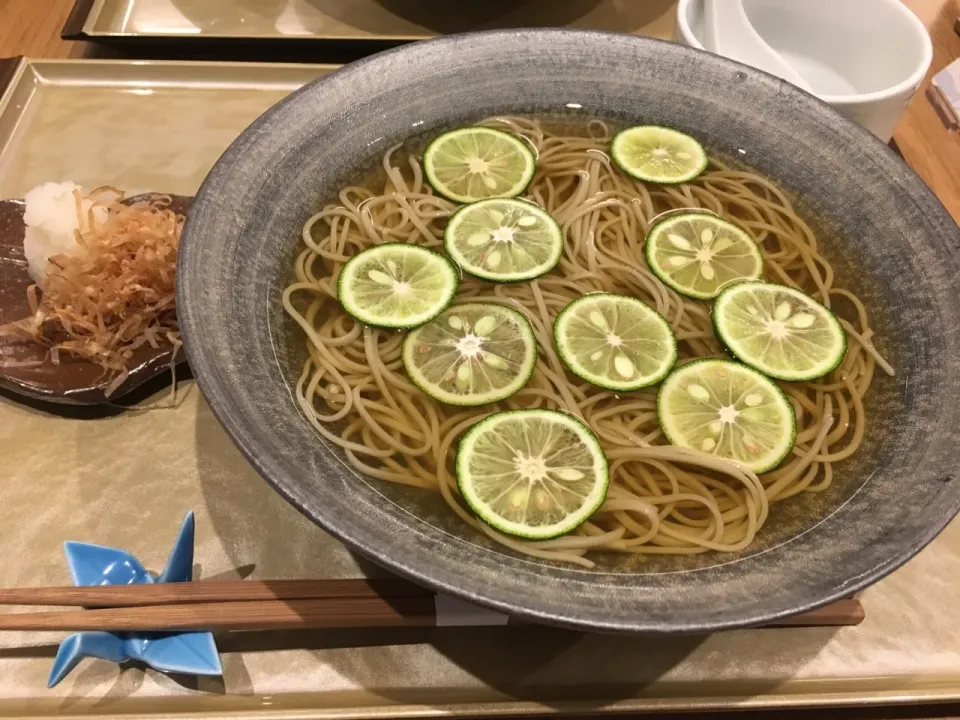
[126, 480]
[372, 22]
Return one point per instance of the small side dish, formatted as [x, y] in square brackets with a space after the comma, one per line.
[94, 276]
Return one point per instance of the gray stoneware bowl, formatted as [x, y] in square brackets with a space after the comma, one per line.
[244, 229]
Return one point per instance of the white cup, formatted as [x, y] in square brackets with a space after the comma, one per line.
[866, 58]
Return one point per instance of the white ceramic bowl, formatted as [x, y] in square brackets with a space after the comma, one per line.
[866, 58]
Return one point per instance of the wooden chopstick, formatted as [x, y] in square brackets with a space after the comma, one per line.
[847, 611]
[307, 614]
[212, 591]
[271, 605]
[244, 615]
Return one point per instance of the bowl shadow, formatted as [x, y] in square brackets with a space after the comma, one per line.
[386, 19]
[437, 16]
[553, 666]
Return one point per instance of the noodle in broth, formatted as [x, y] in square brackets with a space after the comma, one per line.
[662, 498]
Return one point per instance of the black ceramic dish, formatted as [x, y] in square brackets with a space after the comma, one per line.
[72, 381]
[243, 230]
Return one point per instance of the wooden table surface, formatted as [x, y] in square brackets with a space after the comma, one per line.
[32, 28]
[932, 150]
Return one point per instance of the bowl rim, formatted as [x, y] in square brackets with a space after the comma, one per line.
[207, 368]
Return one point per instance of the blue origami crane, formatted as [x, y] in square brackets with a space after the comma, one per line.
[192, 653]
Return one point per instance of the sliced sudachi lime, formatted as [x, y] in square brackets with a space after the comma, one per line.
[779, 331]
[477, 163]
[699, 254]
[658, 154]
[535, 474]
[503, 240]
[728, 410]
[615, 341]
[471, 354]
[396, 285]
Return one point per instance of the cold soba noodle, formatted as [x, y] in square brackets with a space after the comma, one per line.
[662, 498]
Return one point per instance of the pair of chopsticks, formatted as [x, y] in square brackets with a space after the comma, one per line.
[268, 605]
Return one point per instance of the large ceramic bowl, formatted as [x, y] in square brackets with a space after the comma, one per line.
[901, 246]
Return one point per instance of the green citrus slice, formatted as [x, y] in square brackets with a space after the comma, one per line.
[658, 154]
[727, 410]
[699, 254]
[503, 240]
[614, 341]
[532, 473]
[471, 354]
[396, 285]
[779, 331]
[477, 163]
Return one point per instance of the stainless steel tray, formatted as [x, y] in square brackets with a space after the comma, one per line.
[127, 480]
[385, 21]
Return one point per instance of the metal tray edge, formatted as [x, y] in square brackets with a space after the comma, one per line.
[73, 27]
[95, 72]
[11, 69]
[791, 695]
